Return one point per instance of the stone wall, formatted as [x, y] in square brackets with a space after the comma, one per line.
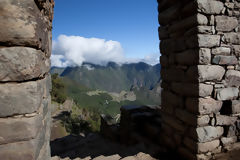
[200, 47]
[25, 49]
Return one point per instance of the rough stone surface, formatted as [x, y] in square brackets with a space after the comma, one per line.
[208, 40]
[20, 98]
[233, 78]
[22, 63]
[221, 51]
[203, 105]
[208, 146]
[225, 60]
[23, 24]
[22, 129]
[208, 133]
[235, 106]
[210, 7]
[225, 120]
[206, 72]
[232, 37]
[225, 23]
[227, 93]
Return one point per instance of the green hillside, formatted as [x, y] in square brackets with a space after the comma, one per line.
[113, 77]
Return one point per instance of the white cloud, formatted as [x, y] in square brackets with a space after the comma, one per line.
[74, 50]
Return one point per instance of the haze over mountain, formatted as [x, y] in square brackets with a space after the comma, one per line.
[113, 77]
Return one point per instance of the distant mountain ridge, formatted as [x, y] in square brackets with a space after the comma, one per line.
[112, 77]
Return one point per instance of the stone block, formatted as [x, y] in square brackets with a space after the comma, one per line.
[162, 33]
[206, 134]
[203, 120]
[233, 38]
[192, 90]
[201, 56]
[232, 78]
[19, 129]
[169, 14]
[188, 23]
[228, 140]
[225, 60]
[208, 41]
[235, 106]
[164, 61]
[236, 50]
[221, 51]
[24, 150]
[203, 106]
[22, 63]
[225, 23]
[20, 98]
[23, 24]
[227, 93]
[208, 146]
[202, 73]
[210, 7]
[225, 120]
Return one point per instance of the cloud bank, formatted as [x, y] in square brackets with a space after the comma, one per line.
[74, 50]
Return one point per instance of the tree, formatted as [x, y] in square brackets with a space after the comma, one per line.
[58, 89]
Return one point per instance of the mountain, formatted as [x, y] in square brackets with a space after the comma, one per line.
[112, 77]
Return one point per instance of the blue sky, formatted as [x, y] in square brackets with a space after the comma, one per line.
[132, 23]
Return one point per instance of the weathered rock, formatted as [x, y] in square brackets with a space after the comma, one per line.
[113, 157]
[235, 106]
[228, 140]
[208, 41]
[203, 105]
[22, 63]
[189, 22]
[203, 120]
[163, 33]
[232, 37]
[20, 98]
[201, 56]
[190, 89]
[19, 129]
[227, 93]
[208, 133]
[169, 14]
[225, 23]
[225, 60]
[204, 73]
[24, 25]
[208, 146]
[25, 150]
[221, 51]
[210, 7]
[233, 78]
[236, 50]
[225, 120]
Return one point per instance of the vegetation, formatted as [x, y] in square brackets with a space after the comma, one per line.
[58, 92]
[80, 84]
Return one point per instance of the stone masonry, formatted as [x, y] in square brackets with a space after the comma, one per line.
[25, 49]
[200, 47]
